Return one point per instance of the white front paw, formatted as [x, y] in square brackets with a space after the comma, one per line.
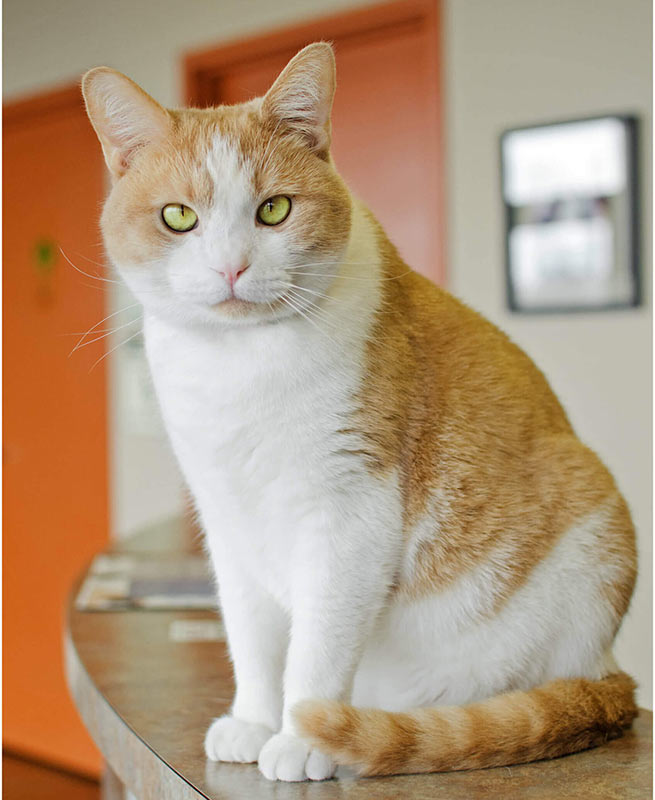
[288, 758]
[232, 739]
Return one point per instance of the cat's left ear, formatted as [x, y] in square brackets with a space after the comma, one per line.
[123, 115]
[301, 97]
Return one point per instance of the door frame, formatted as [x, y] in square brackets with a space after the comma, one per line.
[204, 69]
[64, 98]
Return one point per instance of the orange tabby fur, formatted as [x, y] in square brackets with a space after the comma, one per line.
[482, 429]
[561, 717]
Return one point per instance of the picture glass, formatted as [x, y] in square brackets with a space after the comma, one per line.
[569, 198]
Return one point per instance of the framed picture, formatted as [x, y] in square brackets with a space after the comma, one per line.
[571, 205]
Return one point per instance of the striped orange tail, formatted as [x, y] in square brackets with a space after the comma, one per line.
[560, 717]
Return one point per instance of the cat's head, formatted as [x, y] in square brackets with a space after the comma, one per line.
[227, 215]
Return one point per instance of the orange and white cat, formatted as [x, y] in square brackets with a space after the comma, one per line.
[420, 566]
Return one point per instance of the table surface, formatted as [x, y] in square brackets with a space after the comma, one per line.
[147, 701]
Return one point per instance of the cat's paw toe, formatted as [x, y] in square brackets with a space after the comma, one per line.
[288, 758]
[232, 739]
[318, 766]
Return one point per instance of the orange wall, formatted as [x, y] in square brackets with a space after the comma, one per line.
[55, 496]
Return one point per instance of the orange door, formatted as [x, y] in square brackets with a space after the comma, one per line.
[55, 420]
[386, 121]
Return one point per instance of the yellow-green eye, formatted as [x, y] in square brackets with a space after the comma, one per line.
[179, 218]
[274, 210]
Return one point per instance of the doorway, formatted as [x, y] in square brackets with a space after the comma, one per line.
[55, 489]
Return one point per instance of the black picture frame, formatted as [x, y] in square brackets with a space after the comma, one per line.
[630, 122]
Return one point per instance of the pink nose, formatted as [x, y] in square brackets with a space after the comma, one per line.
[232, 274]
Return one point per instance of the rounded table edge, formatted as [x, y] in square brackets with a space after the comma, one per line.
[139, 767]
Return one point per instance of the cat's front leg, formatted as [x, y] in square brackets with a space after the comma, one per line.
[341, 580]
[257, 637]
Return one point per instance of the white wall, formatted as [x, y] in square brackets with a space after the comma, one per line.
[507, 62]
[47, 41]
[517, 62]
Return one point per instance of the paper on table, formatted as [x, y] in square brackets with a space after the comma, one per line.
[147, 581]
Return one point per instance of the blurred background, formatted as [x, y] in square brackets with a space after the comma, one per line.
[426, 89]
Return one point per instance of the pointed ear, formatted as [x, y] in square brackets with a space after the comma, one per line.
[123, 115]
[302, 96]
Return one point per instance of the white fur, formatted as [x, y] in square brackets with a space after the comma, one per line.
[450, 648]
[304, 540]
[291, 515]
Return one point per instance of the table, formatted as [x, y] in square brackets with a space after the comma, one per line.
[147, 701]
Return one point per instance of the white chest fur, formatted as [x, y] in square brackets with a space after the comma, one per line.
[254, 415]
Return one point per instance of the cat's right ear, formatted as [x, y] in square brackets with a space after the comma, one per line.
[123, 115]
[302, 95]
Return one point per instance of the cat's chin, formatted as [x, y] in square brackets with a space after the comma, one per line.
[238, 311]
[232, 313]
[234, 306]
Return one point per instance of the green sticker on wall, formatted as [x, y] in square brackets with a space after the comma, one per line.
[45, 255]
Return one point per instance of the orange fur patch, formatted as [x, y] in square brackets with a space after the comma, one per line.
[173, 170]
[563, 716]
[482, 447]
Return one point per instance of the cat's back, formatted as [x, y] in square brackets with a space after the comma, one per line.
[454, 378]
[486, 458]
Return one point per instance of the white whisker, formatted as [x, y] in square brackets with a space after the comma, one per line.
[311, 308]
[109, 352]
[369, 278]
[299, 310]
[87, 274]
[109, 316]
[329, 297]
[79, 345]
[90, 260]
